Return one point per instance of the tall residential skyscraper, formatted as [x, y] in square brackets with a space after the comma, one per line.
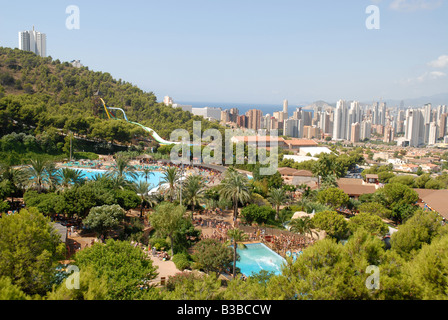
[432, 133]
[355, 132]
[340, 121]
[291, 128]
[254, 119]
[366, 129]
[389, 134]
[33, 41]
[415, 128]
[442, 124]
[375, 113]
[285, 109]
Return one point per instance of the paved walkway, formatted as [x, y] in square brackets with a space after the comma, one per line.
[165, 269]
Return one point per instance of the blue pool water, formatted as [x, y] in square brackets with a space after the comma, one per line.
[154, 178]
[256, 257]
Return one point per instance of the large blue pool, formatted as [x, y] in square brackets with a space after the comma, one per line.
[257, 257]
[154, 178]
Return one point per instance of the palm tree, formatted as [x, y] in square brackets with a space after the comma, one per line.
[303, 226]
[277, 197]
[71, 177]
[147, 172]
[16, 177]
[142, 189]
[53, 176]
[123, 167]
[171, 176]
[193, 190]
[235, 187]
[236, 235]
[37, 172]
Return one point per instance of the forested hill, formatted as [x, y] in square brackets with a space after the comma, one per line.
[40, 94]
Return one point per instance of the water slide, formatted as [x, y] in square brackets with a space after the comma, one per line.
[154, 134]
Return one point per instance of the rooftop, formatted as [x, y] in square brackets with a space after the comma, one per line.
[301, 142]
[356, 190]
[437, 200]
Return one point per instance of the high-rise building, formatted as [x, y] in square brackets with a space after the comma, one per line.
[340, 121]
[389, 134]
[382, 114]
[375, 113]
[432, 133]
[241, 121]
[225, 116]
[415, 128]
[285, 109]
[234, 113]
[310, 132]
[442, 124]
[355, 132]
[33, 41]
[254, 119]
[366, 129]
[427, 113]
[291, 128]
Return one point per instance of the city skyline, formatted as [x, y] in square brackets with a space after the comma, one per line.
[251, 52]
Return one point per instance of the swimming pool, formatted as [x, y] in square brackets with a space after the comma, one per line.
[256, 257]
[154, 178]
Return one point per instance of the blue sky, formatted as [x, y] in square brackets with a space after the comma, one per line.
[250, 51]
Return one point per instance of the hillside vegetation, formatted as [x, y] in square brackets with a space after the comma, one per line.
[44, 98]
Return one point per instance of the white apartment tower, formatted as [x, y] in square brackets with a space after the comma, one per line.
[433, 133]
[366, 130]
[415, 129]
[340, 121]
[33, 41]
[285, 109]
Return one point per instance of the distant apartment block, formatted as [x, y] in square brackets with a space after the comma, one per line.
[76, 63]
[33, 41]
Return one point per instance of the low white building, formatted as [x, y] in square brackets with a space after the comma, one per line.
[314, 151]
[208, 113]
[298, 158]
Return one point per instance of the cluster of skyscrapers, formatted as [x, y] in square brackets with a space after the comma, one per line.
[424, 126]
[347, 121]
[33, 41]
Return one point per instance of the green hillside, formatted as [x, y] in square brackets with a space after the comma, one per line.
[41, 97]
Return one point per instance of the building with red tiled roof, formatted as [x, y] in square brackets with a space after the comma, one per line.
[434, 200]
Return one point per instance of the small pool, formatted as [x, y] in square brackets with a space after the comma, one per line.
[257, 257]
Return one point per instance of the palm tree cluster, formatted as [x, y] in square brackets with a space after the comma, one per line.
[235, 187]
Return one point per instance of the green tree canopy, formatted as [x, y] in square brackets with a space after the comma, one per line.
[105, 218]
[212, 256]
[333, 223]
[333, 197]
[167, 220]
[422, 228]
[29, 250]
[125, 267]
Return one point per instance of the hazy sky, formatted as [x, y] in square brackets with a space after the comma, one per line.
[250, 51]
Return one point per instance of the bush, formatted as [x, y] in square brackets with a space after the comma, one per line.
[254, 213]
[86, 155]
[182, 261]
[159, 243]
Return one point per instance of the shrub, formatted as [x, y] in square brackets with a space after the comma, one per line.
[159, 243]
[182, 261]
